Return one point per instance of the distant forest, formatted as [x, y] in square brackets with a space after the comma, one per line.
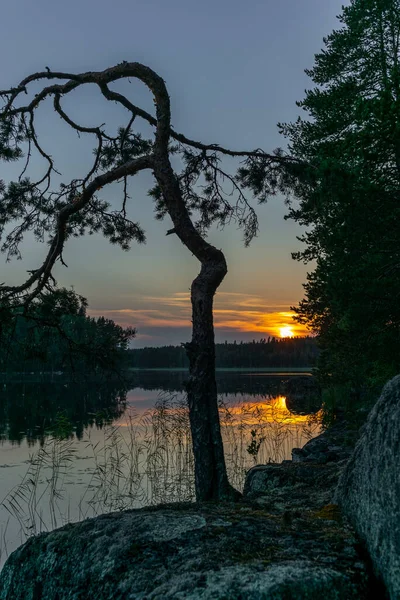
[57, 335]
[267, 352]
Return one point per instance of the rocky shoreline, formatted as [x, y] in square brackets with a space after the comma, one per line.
[287, 539]
[193, 551]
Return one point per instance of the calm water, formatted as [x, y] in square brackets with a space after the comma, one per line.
[70, 451]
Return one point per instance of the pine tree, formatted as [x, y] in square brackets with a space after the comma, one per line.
[349, 195]
[193, 196]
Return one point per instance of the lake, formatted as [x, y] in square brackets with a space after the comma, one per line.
[70, 450]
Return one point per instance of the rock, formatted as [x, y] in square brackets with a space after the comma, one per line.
[190, 552]
[299, 486]
[369, 488]
[333, 445]
[287, 539]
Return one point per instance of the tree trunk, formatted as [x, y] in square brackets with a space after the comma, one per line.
[211, 479]
[210, 469]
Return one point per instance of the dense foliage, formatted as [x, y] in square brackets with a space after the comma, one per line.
[56, 334]
[271, 352]
[33, 410]
[349, 196]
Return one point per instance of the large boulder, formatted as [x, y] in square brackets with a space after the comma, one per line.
[191, 552]
[292, 487]
[369, 488]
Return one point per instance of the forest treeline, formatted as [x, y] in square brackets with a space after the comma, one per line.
[56, 334]
[342, 184]
[348, 198]
[267, 352]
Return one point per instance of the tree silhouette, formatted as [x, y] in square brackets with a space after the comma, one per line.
[194, 198]
[351, 135]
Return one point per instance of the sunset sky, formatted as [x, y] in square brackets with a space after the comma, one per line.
[233, 70]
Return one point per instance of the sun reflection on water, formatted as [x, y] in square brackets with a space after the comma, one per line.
[271, 410]
[145, 457]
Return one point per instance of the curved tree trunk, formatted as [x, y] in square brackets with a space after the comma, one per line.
[210, 470]
[211, 477]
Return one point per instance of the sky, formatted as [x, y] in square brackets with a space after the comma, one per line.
[234, 70]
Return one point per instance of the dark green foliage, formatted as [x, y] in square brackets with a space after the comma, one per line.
[55, 334]
[349, 196]
[271, 352]
[12, 134]
[125, 146]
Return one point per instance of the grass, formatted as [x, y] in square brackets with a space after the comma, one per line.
[145, 459]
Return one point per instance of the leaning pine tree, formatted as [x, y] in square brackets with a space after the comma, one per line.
[192, 198]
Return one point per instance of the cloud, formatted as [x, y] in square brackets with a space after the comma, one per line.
[159, 318]
[141, 317]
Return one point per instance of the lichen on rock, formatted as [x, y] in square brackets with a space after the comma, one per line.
[369, 488]
[286, 540]
[210, 551]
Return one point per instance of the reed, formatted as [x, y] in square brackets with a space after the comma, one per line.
[144, 459]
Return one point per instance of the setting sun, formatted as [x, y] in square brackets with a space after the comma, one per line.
[286, 331]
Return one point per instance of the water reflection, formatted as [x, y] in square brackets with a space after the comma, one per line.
[232, 383]
[30, 411]
[72, 451]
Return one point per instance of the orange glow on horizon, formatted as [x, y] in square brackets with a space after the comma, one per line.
[232, 312]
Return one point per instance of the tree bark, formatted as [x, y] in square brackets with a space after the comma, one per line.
[210, 470]
[211, 480]
[211, 477]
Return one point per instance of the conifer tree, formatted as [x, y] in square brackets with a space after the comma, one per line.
[348, 197]
[194, 197]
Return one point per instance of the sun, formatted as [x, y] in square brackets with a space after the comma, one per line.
[286, 331]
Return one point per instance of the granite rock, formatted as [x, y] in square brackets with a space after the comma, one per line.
[369, 488]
